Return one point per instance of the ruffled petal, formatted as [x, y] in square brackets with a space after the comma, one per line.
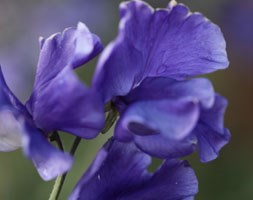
[120, 172]
[165, 88]
[210, 131]
[117, 167]
[169, 118]
[73, 48]
[67, 105]
[168, 42]
[49, 161]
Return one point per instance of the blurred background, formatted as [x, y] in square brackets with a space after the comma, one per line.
[230, 177]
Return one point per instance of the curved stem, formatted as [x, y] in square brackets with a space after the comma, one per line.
[75, 145]
[60, 179]
[55, 137]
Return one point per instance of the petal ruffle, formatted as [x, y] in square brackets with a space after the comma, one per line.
[210, 131]
[168, 42]
[172, 119]
[120, 172]
[71, 48]
[49, 161]
[67, 105]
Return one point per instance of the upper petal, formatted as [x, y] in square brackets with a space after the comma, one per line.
[168, 42]
[49, 161]
[73, 47]
[66, 104]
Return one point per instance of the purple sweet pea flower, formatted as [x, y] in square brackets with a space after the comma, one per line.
[119, 171]
[145, 71]
[59, 102]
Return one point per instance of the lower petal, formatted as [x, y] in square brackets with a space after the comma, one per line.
[165, 148]
[67, 105]
[169, 118]
[49, 161]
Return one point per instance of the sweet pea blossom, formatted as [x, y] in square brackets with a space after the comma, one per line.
[59, 101]
[119, 171]
[145, 73]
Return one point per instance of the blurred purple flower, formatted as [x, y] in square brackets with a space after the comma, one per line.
[59, 101]
[119, 171]
[145, 70]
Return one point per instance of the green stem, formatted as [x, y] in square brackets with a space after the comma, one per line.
[57, 187]
[75, 145]
[60, 179]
